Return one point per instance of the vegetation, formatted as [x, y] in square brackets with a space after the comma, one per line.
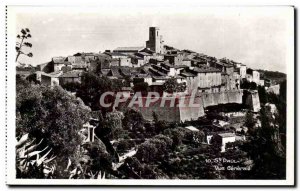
[133, 120]
[91, 89]
[278, 77]
[171, 86]
[32, 162]
[142, 87]
[248, 85]
[264, 147]
[250, 121]
[53, 115]
[22, 43]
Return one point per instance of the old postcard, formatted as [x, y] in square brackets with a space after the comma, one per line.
[150, 95]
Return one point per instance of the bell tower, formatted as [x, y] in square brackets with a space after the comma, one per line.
[155, 42]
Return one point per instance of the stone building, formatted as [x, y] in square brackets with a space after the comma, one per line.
[128, 50]
[116, 55]
[175, 59]
[155, 42]
[58, 63]
[224, 138]
[137, 61]
[50, 79]
[252, 100]
[202, 78]
[253, 76]
[70, 77]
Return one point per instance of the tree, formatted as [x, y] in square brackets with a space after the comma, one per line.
[113, 121]
[250, 122]
[125, 145]
[155, 117]
[71, 86]
[100, 159]
[133, 120]
[93, 86]
[147, 152]
[52, 114]
[265, 149]
[248, 85]
[166, 139]
[142, 87]
[253, 86]
[263, 98]
[133, 168]
[154, 149]
[195, 136]
[25, 34]
[171, 86]
[176, 135]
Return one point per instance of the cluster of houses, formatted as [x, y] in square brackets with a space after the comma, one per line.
[154, 64]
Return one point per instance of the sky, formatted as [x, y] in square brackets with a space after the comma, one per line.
[256, 37]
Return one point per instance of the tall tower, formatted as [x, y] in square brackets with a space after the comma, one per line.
[155, 42]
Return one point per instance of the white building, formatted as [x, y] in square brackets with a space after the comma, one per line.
[224, 138]
[253, 76]
[50, 79]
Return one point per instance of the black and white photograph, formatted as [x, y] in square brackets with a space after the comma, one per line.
[150, 96]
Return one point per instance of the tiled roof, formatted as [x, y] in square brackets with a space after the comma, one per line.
[136, 57]
[223, 135]
[114, 72]
[188, 51]
[179, 77]
[187, 74]
[71, 74]
[59, 59]
[180, 66]
[115, 54]
[228, 65]
[53, 74]
[167, 64]
[147, 50]
[160, 77]
[156, 72]
[86, 54]
[171, 55]
[136, 48]
[125, 71]
[192, 128]
[205, 69]
[79, 66]
[143, 53]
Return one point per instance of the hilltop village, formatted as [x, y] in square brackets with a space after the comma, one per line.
[217, 81]
[226, 92]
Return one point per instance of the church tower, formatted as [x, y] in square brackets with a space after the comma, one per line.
[155, 42]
